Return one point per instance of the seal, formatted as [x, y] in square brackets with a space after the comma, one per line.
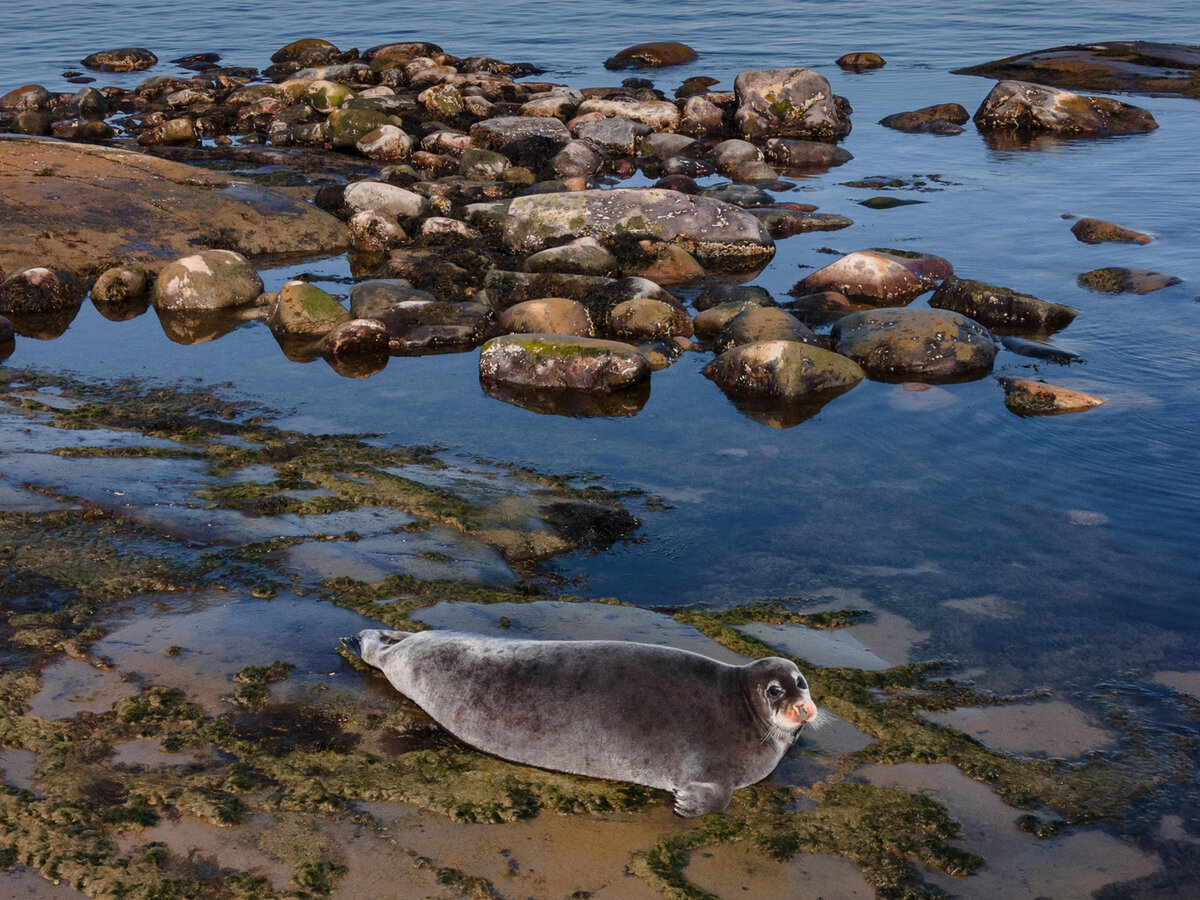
[656, 716]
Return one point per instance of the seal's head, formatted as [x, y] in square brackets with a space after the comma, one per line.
[780, 694]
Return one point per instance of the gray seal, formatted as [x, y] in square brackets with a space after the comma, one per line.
[657, 716]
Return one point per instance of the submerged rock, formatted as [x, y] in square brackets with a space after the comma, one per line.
[556, 362]
[782, 369]
[720, 236]
[1030, 397]
[1138, 67]
[861, 61]
[793, 102]
[1025, 107]
[656, 55]
[1097, 231]
[929, 345]
[999, 306]
[944, 118]
[214, 279]
[1118, 280]
[878, 277]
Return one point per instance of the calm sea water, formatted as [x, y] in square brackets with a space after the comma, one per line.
[1084, 528]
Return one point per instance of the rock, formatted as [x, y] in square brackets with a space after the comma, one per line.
[121, 284]
[368, 298]
[326, 96]
[878, 277]
[686, 165]
[504, 289]
[304, 309]
[784, 221]
[214, 279]
[445, 230]
[753, 172]
[655, 55]
[649, 320]
[1040, 350]
[765, 323]
[127, 59]
[385, 198]
[717, 292]
[929, 345]
[577, 159]
[861, 61]
[667, 264]
[559, 102]
[7, 336]
[444, 101]
[551, 315]
[375, 232]
[664, 145]
[697, 84]
[502, 131]
[307, 51]
[718, 235]
[1116, 280]
[1136, 67]
[556, 362]
[355, 337]
[1000, 307]
[805, 155]
[36, 291]
[660, 115]
[36, 122]
[1024, 107]
[1097, 231]
[944, 118]
[728, 155]
[793, 103]
[483, 165]
[416, 327]
[387, 143]
[584, 256]
[346, 126]
[1030, 397]
[743, 195]
[701, 118]
[29, 97]
[174, 132]
[709, 323]
[783, 370]
[616, 135]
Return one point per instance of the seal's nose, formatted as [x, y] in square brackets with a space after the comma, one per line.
[802, 711]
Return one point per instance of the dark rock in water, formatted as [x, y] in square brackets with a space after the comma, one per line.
[1097, 231]
[1040, 350]
[557, 362]
[743, 195]
[418, 327]
[1029, 397]
[197, 61]
[999, 306]
[945, 118]
[307, 51]
[656, 55]
[686, 165]
[879, 277]
[930, 345]
[37, 291]
[1136, 67]
[715, 293]
[784, 221]
[762, 323]
[697, 84]
[31, 96]
[6, 332]
[803, 156]
[127, 59]
[861, 61]
[887, 202]
[793, 103]
[1024, 107]
[1116, 280]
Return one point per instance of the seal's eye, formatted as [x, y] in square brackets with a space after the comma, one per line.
[774, 692]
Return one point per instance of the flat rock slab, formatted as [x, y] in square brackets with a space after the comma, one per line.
[1136, 67]
[80, 209]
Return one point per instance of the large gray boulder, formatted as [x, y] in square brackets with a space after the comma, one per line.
[790, 103]
[930, 345]
[1025, 107]
[718, 235]
[214, 279]
[558, 362]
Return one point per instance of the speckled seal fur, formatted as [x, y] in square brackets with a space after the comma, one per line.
[652, 715]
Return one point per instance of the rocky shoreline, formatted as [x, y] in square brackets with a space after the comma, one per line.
[464, 192]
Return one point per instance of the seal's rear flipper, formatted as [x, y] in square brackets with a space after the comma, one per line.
[699, 798]
[352, 645]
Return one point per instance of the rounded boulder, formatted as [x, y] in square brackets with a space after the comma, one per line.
[214, 279]
[930, 345]
[557, 362]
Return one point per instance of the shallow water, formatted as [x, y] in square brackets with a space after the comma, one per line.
[1050, 552]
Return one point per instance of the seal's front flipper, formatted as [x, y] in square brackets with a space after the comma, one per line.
[699, 798]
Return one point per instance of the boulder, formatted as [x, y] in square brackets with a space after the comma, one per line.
[7, 336]
[718, 235]
[728, 155]
[784, 370]
[37, 291]
[126, 59]
[367, 298]
[656, 55]
[861, 61]
[616, 135]
[385, 198]
[375, 232]
[121, 284]
[417, 327]
[585, 256]
[1097, 231]
[355, 337]
[214, 279]
[793, 103]
[498, 133]
[763, 323]
[1119, 280]
[1025, 107]
[644, 319]
[577, 159]
[660, 115]
[551, 315]
[929, 345]
[29, 97]
[1031, 397]
[346, 126]
[806, 156]
[1134, 67]
[878, 277]
[785, 221]
[387, 143]
[1000, 307]
[303, 309]
[701, 118]
[557, 362]
[944, 118]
